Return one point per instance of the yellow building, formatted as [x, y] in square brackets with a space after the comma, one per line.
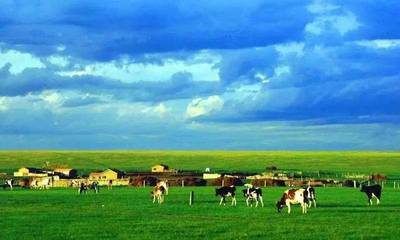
[160, 168]
[108, 174]
[31, 172]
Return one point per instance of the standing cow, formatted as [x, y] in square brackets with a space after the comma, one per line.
[372, 191]
[84, 188]
[158, 194]
[310, 196]
[293, 196]
[163, 184]
[251, 194]
[225, 192]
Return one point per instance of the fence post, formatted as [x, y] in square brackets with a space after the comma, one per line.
[222, 182]
[144, 183]
[394, 184]
[191, 198]
[183, 183]
[265, 182]
[354, 184]
[383, 184]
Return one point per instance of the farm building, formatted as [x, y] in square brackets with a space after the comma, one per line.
[31, 172]
[65, 172]
[160, 168]
[108, 174]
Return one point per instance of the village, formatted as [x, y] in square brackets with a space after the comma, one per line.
[63, 177]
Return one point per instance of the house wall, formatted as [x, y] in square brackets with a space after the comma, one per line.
[157, 169]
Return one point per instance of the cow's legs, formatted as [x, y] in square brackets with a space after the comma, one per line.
[304, 208]
[377, 199]
[233, 201]
[288, 207]
[222, 201]
[261, 201]
[247, 201]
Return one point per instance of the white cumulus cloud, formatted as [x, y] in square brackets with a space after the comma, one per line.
[204, 106]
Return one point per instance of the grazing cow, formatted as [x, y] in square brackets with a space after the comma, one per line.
[309, 194]
[253, 194]
[158, 194]
[224, 192]
[292, 196]
[8, 183]
[163, 184]
[372, 191]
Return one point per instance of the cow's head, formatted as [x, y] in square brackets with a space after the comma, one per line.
[279, 206]
[363, 188]
[217, 192]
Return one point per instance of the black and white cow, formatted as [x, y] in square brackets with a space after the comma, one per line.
[253, 194]
[372, 191]
[225, 192]
[309, 194]
[83, 188]
[8, 183]
[292, 196]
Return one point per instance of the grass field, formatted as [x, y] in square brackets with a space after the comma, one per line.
[128, 213]
[253, 161]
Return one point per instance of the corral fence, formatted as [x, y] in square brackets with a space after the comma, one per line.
[273, 177]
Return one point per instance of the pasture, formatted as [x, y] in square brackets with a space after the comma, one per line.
[128, 213]
[248, 161]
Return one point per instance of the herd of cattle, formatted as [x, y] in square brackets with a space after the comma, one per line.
[306, 196]
[303, 196]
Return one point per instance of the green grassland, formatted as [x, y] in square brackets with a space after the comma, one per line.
[128, 213]
[252, 161]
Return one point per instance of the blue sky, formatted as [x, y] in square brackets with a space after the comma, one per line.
[295, 75]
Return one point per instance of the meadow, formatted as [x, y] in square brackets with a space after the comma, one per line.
[248, 161]
[128, 213]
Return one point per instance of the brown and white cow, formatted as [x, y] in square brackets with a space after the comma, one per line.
[158, 194]
[293, 196]
[163, 184]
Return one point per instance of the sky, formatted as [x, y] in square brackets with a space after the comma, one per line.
[200, 74]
